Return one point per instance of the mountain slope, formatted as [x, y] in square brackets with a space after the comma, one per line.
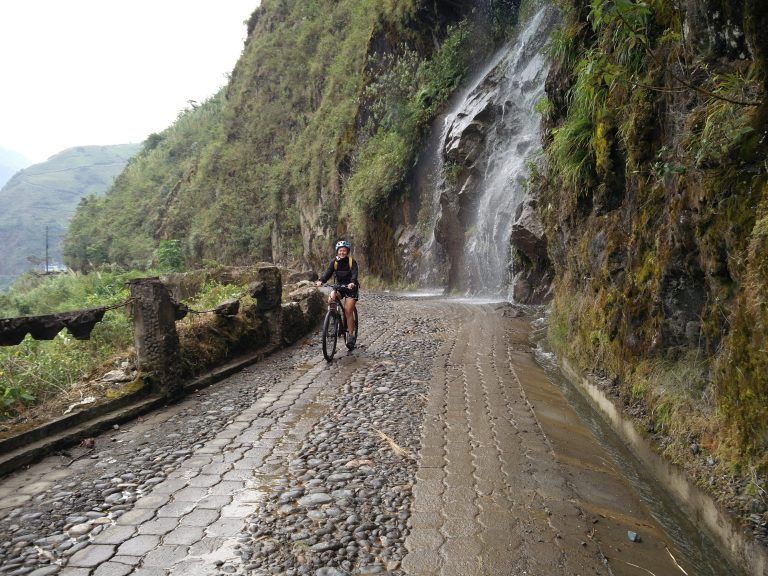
[311, 139]
[10, 163]
[47, 194]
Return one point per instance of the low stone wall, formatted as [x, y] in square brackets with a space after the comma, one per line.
[304, 310]
[184, 285]
[175, 358]
[208, 340]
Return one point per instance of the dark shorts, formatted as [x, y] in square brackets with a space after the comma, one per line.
[347, 293]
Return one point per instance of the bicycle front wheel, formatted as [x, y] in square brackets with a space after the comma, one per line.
[330, 334]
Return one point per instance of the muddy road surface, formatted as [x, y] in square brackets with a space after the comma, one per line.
[439, 446]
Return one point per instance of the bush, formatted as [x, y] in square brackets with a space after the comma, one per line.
[35, 371]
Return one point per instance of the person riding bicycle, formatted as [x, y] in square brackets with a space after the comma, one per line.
[345, 268]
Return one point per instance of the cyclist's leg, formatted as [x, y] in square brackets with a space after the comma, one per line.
[349, 310]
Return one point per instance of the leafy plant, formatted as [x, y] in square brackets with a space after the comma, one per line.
[169, 256]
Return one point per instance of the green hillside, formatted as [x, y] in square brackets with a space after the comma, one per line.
[312, 138]
[47, 194]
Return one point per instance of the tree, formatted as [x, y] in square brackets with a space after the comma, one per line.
[169, 257]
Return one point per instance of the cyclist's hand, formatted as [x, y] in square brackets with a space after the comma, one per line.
[351, 286]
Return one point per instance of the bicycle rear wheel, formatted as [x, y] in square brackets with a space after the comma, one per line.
[330, 334]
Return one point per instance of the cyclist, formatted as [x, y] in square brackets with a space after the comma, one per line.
[345, 268]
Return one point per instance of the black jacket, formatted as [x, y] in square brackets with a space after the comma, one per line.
[344, 274]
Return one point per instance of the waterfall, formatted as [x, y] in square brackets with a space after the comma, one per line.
[487, 138]
[429, 179]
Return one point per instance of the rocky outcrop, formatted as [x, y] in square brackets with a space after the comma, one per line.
[533, 277]
[528, 232]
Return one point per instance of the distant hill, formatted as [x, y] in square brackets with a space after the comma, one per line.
[47, 194]
[10, 163]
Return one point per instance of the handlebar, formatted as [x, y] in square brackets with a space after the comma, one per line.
[334, 286]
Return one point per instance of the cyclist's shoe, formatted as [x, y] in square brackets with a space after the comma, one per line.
[351, 341]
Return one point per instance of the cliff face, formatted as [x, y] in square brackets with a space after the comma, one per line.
[655, 204]
[484, 224]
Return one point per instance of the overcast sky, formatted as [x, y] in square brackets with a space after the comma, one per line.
[80, 72]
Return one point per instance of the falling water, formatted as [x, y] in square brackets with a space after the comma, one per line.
[491, 130]
[511, 143]
[429, 171]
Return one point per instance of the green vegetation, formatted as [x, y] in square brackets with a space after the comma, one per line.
[36, 371]
[654, 204]
[402, 112]
[169, 257]
[47, 194]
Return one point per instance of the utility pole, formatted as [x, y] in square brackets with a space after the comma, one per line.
[46, 249]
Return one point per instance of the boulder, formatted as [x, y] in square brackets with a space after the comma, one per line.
[294, 277]
[227, 308]
[293, 324]
[269, 293]
[466, 136]
[311, 301]
[528, 232]
[116, 376]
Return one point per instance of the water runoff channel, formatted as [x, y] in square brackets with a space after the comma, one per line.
[700, 553]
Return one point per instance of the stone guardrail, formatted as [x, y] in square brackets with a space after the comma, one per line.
[162, 363]
[79, 323]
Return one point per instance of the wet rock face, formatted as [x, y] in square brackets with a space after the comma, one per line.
[484, 153]
[528, 232]
[465, 139]
[531, 283]
[463, 150]
[716, 27]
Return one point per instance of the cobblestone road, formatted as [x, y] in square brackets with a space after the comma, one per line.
[421, 453]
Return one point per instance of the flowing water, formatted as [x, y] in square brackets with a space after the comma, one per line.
[510, 145]
[429, 171]
[698, 549]
[497, 108]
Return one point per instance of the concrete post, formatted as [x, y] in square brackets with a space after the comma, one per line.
[157, 343]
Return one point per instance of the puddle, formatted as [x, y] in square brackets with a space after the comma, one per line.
[426, 293]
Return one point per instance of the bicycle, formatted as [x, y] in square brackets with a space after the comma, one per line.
[335, 325]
